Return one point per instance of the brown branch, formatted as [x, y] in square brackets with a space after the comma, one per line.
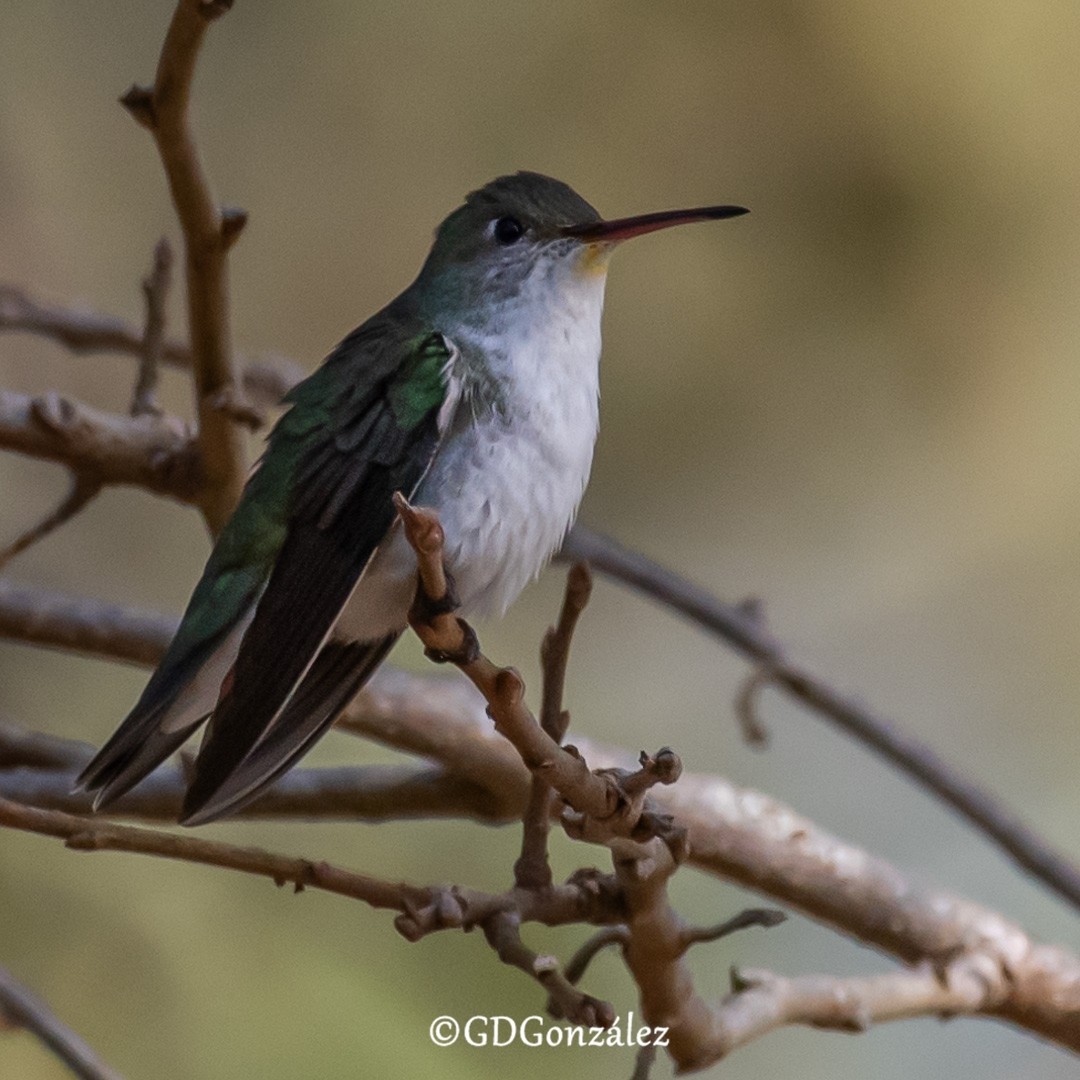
[743, 630]
[735, 833]
[422, 910]
[762, 1002]
[25, 1010]
[87, 834]
[346, 793]
[643, 1063]
[503, 933]
[83, 491]
[78, 624]
[155, 292]
[699, 935]
[86, 332]
[532, 868]
[150, 452]
[448, 638]
[208, 234]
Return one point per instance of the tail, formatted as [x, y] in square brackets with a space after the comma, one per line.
[177, 700]
[230, 773]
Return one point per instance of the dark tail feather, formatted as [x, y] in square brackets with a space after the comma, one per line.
[123, 769]
[178, 698]
[226, 781]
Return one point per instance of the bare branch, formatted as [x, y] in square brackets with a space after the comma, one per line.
[79, 624]
[763, 1002]
[587, 952]
[643, 1063]
[532, 869]
[346, 793]
[696, 935]
[503, 933]
[26, 1010]
[208, 234]
[83, 490]
[146, 451]
[264, 381]
[155, 292]
[735, 833]
[86, 834]
[743, 630]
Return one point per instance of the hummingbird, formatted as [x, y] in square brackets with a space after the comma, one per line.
[475, 393]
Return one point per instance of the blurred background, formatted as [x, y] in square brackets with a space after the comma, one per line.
[859, 404]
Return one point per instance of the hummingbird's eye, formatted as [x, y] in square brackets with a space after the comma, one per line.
[508, 230]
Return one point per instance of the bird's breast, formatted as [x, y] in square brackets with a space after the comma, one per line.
[508, 480]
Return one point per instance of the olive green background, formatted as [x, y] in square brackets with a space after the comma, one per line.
[859, 403]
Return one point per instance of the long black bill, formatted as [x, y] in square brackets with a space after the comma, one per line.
[611, 232]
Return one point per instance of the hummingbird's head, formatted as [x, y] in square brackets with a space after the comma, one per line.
[527, 238]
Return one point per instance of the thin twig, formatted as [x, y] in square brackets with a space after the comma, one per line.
[404, 792]
[87, 834]
[208, 234]
[740, 629]
[26, 1010]
[766, 917]
[265, 381]
[155, 292]
[150, 452]
[591, 948]
[503, 933]
[735, 833]
[643, 1063]
[532, 868]
[83, 490]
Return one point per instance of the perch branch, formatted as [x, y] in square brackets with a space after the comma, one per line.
[736, 834]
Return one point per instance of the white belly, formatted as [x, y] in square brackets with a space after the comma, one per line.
[506, 490]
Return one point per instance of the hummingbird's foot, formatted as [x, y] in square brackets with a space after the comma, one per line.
[466, 653]
[426, 607]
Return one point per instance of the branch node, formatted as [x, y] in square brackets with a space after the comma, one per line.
[139, 101]
[754, 731]
[232, 402]
[214, 9]
[233, 220]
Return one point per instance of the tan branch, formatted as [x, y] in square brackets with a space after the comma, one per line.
[89, 834]
[25, 1010]
[86, 332]
[566, 1001]
[145, 451]
[742, 627]
[532, 868]
[78, 624]
[735, 833]
[346, 793]
[763, 1002]
[155, 288]
[208, 234]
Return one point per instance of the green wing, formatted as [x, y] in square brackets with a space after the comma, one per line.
[365, 425]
